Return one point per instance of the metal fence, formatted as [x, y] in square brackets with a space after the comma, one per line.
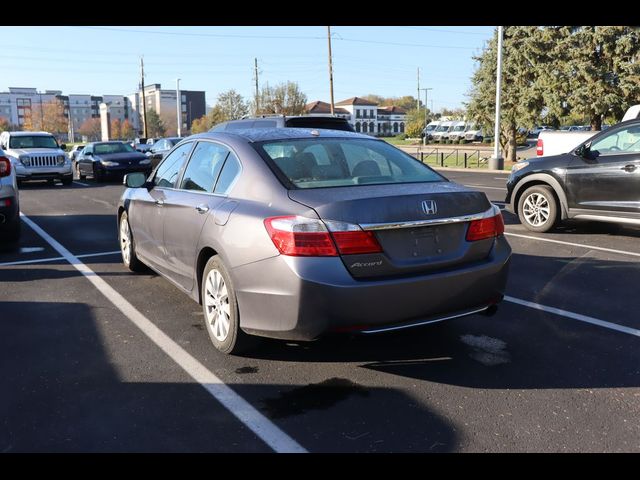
[453, 158]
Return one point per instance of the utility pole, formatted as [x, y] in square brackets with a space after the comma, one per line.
[418, 97]
[255, 61]
[497, 162]
[330, 67]
[178, 105]
[426, 91]
[41, 113]
[144, 103]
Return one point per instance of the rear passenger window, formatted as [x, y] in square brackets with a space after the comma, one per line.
[204, 167]
[229, 173]
[168, 170]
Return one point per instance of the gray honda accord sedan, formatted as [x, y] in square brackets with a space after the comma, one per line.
[293, 233]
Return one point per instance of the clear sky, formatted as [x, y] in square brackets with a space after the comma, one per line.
[366, 59]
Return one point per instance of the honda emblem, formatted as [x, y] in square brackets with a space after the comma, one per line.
[429, 207]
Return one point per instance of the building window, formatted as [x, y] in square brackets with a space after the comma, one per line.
[372, 127]
[401, 127]
[364, 127]
[357, 113]
[395, 127]
[357, 126]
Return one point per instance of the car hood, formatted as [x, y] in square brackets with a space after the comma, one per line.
[116, 157]
[34, 151]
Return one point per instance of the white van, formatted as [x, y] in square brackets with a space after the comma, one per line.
[431, 126]
[473, 133]
[457, 131]
[442, 131]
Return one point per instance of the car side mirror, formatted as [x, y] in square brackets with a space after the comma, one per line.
[63, 146]
[135, 180]
[88, 154]
[584, 151]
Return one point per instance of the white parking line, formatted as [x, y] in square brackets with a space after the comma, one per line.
[574, 316]
[52, 259]
[485, 186]
[590, 247]
[238, 406]
[80, 183]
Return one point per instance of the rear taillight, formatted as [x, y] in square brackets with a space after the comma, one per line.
[540, 147]
[307, 237]
[5, 167]
[485, 228]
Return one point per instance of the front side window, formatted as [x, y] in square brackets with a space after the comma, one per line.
[622, 141]
[169, 169]
[344, 162]
[204, 167]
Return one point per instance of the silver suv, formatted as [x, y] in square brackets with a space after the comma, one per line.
[37, 156]
[9, 205]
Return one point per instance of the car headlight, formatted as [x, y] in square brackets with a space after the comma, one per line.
[146, 161]
[107, 163]
[60, 159]
[519, 166]
[25, 160]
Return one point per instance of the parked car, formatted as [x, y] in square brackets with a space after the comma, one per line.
[457, 131]
[160, 148]
[75, 150]
[599, 179]
[441, 132]
[9, 201]
[473, 134]
[293, 233]
[141, 147]
[535, 131]
[37, 156]
[428, 131]
[281, 121]
[104, 159]
[555, 142]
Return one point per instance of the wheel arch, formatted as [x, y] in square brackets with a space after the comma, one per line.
[203, 257]
[542, 179]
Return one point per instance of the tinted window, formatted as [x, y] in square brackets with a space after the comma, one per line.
[228, 175]
[168, 170]
[204, 166]
[350, 162]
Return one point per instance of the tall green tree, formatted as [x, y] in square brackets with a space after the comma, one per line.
[284, 99]
[232, 105]
[521, 97]
[155, 126]
[594, 71]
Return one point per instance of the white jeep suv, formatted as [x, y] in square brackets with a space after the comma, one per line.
[37, 156]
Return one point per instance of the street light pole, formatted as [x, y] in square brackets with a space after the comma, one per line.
[426, 91]
[178, 109]
[497, 162]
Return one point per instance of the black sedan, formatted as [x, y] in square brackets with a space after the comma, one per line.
[160, 148]
[104, 159]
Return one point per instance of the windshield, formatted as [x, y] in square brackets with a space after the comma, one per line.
[317, 163]
[431, 128]
[106, 148]
[442, 128]
[459, 128]
[173, 141]
[33, 141]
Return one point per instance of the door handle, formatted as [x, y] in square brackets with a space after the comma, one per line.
[629, 168]
[202, 208]
[159, 202]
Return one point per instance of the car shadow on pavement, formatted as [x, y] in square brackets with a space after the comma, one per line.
[78, 380]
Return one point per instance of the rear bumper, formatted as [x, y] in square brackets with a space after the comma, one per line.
[9, 215]
[301, 298]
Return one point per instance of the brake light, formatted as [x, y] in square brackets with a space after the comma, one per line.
[540, 147]
[5, 167]
[5, 202]
[307, 237]
[485, 228]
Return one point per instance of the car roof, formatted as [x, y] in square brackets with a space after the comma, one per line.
[267, 134]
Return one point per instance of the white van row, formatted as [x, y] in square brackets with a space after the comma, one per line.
[453, 130]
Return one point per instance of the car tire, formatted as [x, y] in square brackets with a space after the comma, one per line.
[81, 176]
[538, 209]
[67, 180]
[220, 308]
[128, 246]
[13, 231]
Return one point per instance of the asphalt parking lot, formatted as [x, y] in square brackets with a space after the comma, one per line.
[95, 358]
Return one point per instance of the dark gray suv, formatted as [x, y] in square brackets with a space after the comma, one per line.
[293, 233]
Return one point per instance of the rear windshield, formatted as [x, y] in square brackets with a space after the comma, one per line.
[106, 148]
[319, 163]
[32, 141]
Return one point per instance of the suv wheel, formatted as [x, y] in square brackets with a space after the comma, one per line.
[220, 308]
[538, 208]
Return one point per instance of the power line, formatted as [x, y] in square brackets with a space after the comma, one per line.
[438, 30]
